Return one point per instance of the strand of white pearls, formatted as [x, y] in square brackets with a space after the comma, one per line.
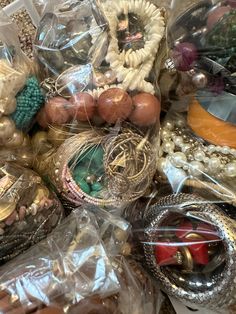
[193, 155]
[133, 67]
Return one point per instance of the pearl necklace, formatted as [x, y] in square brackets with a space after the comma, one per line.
[180, 148]
[133, 67]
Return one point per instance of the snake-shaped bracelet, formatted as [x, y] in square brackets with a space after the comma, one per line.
[212, 287]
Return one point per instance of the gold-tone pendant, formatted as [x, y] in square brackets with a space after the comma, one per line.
[6, 209]
[41, 192]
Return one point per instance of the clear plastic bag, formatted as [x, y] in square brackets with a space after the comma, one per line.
[94, 78]
[20, 95]
[108, 94]
[134, 283]
[188, 244]
[197, 139]
[68, 270]
[29, 211]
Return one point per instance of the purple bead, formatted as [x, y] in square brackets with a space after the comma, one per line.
[184, 55]
[232, 3]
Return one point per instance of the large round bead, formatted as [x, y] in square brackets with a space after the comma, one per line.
[58, 111]
[7, 128]
[16, 140]
[114, 104]
[146, 110]
[42, 119]
[82, 106]
[184, 55]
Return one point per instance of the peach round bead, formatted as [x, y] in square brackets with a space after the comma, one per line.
[83, 106]
[146, 111]
[114, 104]
[57, 111]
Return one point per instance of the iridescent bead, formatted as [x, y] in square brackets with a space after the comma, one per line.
[178, 140]
[199, 155]
[200, 80]
[165, 134]
[196, 168]
[230, 170]
[168, 125]
[185, 147]
[168, 147]
[211, 149]
[91, 179]
[178, 159]
[225, 150]
[214, 164]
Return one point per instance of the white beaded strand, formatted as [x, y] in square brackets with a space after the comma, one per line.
[195, 156]
[133, 67]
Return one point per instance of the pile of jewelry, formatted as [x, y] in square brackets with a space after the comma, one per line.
[118, 158]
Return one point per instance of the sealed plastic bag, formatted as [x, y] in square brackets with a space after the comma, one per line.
[134, 281]
[20, 96]
[188, 245]
[104, 71]
[108, 57]
[29, 211]
[72, 269]
[197, 137]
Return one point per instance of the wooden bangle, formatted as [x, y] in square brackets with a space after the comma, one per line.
[209, 127]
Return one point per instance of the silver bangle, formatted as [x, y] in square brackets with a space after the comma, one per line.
[219, 290]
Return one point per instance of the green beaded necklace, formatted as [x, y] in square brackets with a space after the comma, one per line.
[28, 101]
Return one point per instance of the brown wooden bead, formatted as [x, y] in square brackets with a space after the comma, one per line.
[83, 106]
[58, 111]
[146, 110]
[114, 104]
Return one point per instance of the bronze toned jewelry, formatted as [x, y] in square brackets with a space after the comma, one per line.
[129, 164]
[103, 169]
[28, 210]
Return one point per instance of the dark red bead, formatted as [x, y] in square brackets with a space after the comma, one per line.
[199, 251]
[184, 55]
[165, 254]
